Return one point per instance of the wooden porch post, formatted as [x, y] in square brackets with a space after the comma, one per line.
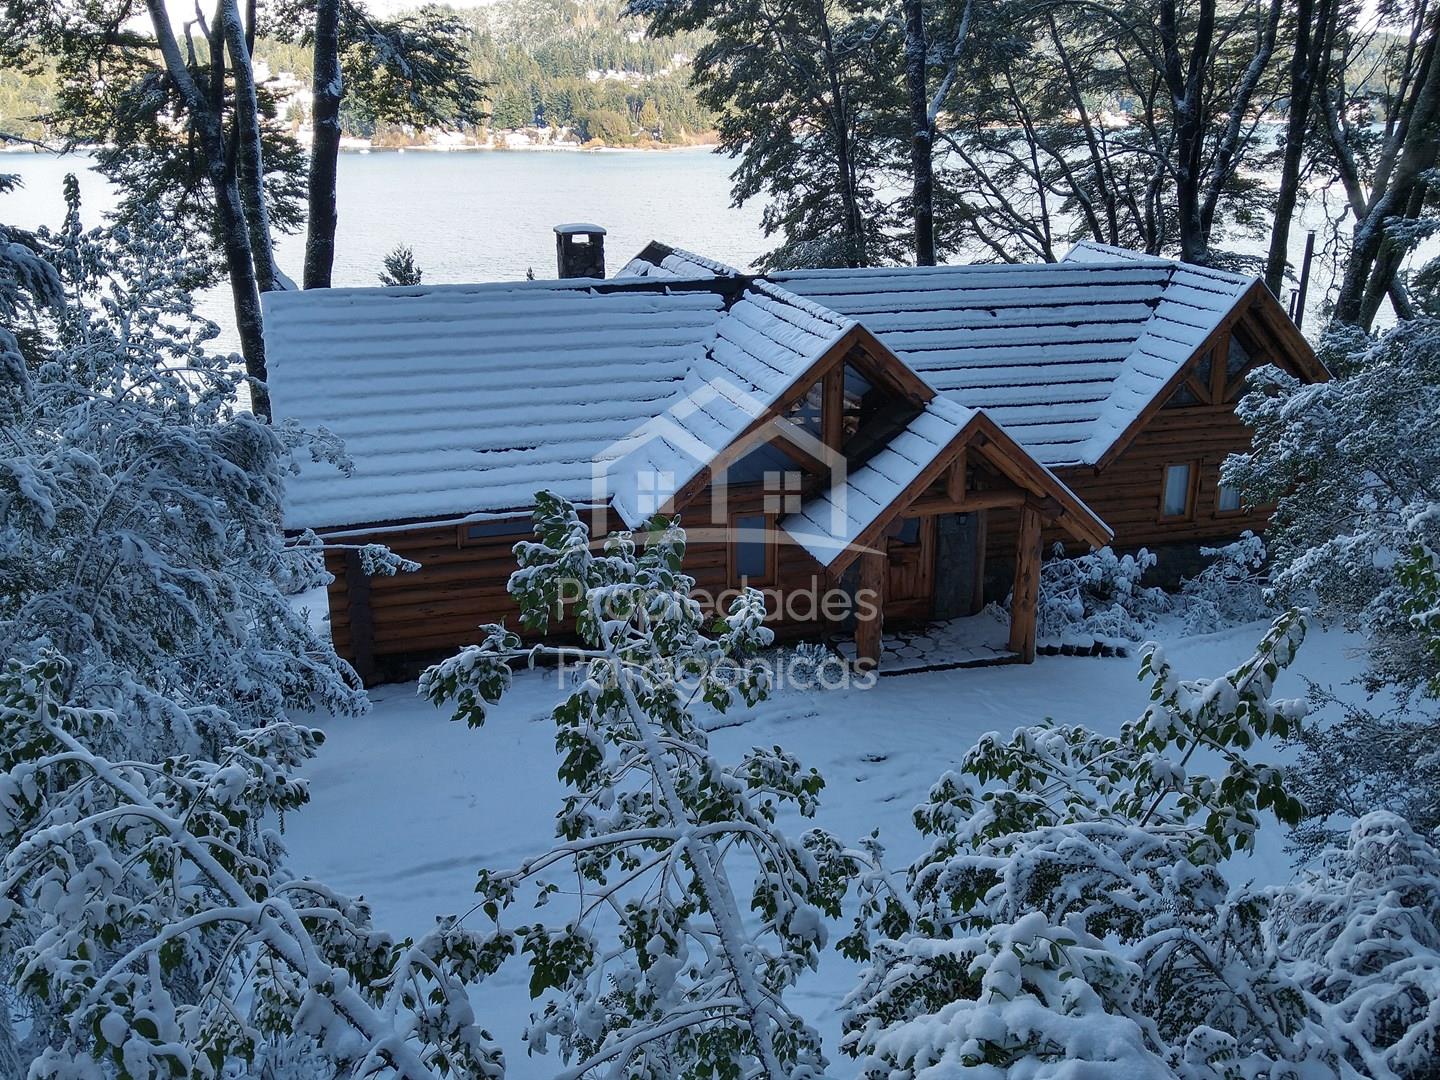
[1027, 586]
[869, 631]
[362, 618]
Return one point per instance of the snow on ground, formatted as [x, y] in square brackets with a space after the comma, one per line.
[408, 805]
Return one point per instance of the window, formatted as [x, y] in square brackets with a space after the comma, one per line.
[1175, 501]
[1228, 500]
[474, 533]
[1237, 359]
[806, 413]
[751, 543]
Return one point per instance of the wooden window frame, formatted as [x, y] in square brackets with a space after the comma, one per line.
[1191, 493]
[1221, 512]
[732, 554]
[511, 527]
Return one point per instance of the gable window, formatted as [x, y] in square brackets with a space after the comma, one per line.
[751, 556]
[1178, 496]
[806, 413]
[1227, 500]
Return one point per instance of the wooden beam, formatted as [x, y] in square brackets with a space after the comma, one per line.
[362, 617]
[972, 502]
[1026, 596]
[870, 609]
[955, 479]
[832, 407]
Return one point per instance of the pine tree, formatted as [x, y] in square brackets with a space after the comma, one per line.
[400, 268]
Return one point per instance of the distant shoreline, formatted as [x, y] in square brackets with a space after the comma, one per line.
[430, 148]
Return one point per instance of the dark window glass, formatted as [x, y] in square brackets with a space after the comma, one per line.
[752, 547]
[905, 531]
[481, 529]
[805, 413]
[861, 401]
[1237, 359]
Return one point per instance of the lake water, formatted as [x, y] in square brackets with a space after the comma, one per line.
[476, 216]
[488, 215]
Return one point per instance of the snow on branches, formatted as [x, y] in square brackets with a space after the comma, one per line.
[654, 972]
[1071, 912]
[147, 908]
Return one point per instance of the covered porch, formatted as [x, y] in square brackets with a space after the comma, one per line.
[888, 536]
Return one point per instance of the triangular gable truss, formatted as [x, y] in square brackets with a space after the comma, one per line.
[855, 345]
[976, 440]
[1256, 312]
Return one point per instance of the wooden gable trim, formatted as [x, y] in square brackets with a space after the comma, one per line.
[1255, 300]
[1042, 490]
[895, 373]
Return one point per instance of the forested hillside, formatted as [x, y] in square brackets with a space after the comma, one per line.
[577, 64]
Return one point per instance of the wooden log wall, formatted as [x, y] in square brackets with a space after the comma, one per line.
[1127, 494]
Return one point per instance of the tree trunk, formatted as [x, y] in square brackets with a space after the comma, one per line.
[1185, 80]
[1368, 274]
[921, 137]
[251, 154]
[205, 118]
[325, 148]
[1311, 46]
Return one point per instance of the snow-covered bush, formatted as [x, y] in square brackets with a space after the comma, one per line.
[153, 926]
[1098, 595]
[1362, 938]
[1353, 468]
[1071, 912]
[653, 969]
[1231, 590]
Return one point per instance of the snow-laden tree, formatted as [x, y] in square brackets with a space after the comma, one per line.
[1071, 912]
[149, 924]
[153, 927]
[140, 510]
[1353, 468]
[654, 969]
[1362, 937]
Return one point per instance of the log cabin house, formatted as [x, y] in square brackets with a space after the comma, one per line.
[913, 435]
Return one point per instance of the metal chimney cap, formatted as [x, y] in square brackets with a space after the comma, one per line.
[578, 227]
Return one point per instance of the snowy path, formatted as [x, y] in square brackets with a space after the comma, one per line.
[407, 805]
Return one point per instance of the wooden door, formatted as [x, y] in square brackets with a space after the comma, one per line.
[910, 578]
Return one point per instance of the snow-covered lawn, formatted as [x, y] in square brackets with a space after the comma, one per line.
[408, 805]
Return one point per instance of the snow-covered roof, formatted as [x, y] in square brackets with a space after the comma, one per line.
[454, 399]
[464, 399]
[829, 523]
[662, 260]
[461, 399]
[765, 342]
[1060, 355]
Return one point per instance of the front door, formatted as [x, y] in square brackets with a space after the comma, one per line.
[910, 576]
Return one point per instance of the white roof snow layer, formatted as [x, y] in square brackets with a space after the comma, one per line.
[1058, 354]
[766, 341]
[829, 523]
[454, 399]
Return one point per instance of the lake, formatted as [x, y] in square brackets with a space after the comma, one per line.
[487, 215]
[471, 216]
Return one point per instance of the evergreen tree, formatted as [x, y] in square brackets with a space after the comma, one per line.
[400, 268]
[795, 89]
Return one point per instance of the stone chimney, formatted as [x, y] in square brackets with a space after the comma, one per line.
[580, 250]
